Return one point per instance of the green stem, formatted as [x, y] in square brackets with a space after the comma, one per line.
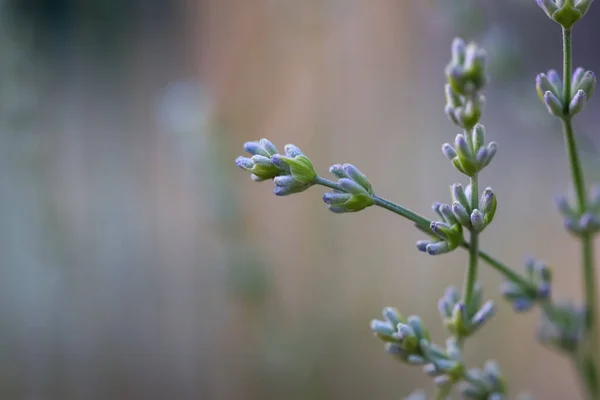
[508, 273]
[589, 371]
[567, 69]
[405, 212]
[589, 276]
[586, 368]
[330, 184]
[471, 275]
[575, 163]
[383, 203]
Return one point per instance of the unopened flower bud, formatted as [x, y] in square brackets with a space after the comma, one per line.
[577, 103]
[461, 214]
[587, 84]
[477, 220]
[553, 104]
[353, 173]
[478, 136]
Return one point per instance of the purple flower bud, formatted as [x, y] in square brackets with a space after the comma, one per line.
[478, 136]
[442, 381]
[382, 328]
[450, 112]
[336, 198]
[445, 365]
[459, 314]
[415, 360]
[522, 304]
[405, 332]
[576, 79]
[440, 228]
[254, 148]
[436, 208]
[392, 315]
[462, 146]
[286, 185]
[284, 180]
[477, 220]
[544, 290]
[415, 323]
[278, 161]
[488, 205]
[588, 84]
[353, 173]
[481, 157]
[577, 103]
[563, 206]
[465, 155]
[244, 163]
[445, 308]
[447, 214]
[555, 81]
[542, 85]
[458, 51]
[268, 146]
[459, 195]
[451, 294]
[553, 105]
[351, 187]
[461, 214]
[437, 248]
[282, 191]
[468, 193]
[422, 245]
[292, 151]
[484, 314]
[587, 221]
[448, 151]
[258, 159]
[338, 171]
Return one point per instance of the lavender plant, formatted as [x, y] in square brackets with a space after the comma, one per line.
[565, 327]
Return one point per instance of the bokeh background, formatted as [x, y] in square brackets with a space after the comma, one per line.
[136, 260]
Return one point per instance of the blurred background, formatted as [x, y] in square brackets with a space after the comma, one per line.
[136, 260]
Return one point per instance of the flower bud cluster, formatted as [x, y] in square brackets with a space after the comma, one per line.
[562, 326]
[581, 223]
[291, 172]
[550, 90]
[461, 319]
[470, 155]
[540, 289]
[466, 77]
[565, 12]
[357, 191]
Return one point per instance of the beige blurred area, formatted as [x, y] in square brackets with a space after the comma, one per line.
[140, 263]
